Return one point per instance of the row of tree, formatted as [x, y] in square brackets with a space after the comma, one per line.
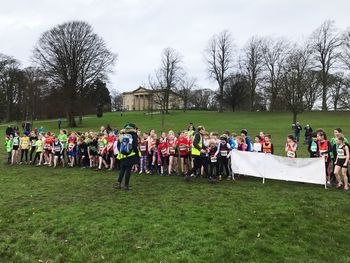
[72, 63]
[267, 74]
[69, 77]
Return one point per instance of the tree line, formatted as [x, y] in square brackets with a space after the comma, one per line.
[71, 64]
[268, 73]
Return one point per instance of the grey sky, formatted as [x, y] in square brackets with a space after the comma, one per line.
[138, 30]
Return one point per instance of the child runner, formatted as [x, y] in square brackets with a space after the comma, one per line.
[244, 135]
[63, 138]
[313, 148]
[92, 150]
[9, 145]
[257, 146]
[325, 149]
[291, 147]
[341, 163]
[33, 138]
[241, 146]
[102, 152]
[24, 145]
[143, 148]
[267, 146]
[152, 149]
[224, 150]
[163, 154]
[57, 152]
[183, 145]
[83, 152]
[171, 144]
[213, 158]
[15, 148]
[72, 149]
[110, 150]
[39, 150]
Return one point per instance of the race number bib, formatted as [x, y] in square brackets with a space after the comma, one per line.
[223, 153]
[213, 159]
[291, 154]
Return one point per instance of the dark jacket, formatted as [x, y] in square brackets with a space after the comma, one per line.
[134, 159]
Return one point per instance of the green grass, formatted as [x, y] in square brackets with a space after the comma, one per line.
[73, 215]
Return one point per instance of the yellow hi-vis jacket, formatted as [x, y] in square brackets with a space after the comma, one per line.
[194, 150]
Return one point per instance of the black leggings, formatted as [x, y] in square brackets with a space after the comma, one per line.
[198, 162]
[213, 167]
[24, 152]
[125, 170]
[36, 156]
[9, 157]
[223, 163]
[32, 151]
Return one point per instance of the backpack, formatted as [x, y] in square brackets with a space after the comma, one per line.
[126, 144]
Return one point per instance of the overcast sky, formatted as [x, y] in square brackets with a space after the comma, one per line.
[138, 30]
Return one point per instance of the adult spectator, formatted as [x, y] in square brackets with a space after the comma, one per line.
[59, 123]
[198, 154]
[308, 133]
[297, 129]
[128, 154]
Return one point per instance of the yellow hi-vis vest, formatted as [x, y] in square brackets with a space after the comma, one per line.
[122, 156]
[194, 150]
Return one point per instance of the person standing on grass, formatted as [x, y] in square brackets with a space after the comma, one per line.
[128, 154]
[297, 129]
[333, 154]
[325, 149]
[59, 123]
[341, 163]
[308, 133]
[24, 145]
[313, 148]
[291, 147]
[198, 153]
[9, 145]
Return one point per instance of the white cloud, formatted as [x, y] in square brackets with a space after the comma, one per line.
[139, 30]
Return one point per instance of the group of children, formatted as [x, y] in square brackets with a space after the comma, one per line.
[168, 153]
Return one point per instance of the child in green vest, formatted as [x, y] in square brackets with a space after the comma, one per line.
[9, 144]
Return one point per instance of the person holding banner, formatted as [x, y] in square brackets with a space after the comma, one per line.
[341, 163]
[291, 147]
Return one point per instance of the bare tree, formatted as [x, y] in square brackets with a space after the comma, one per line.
[345, 56]
[73, 57]
[252, 66]
[236, 91]
[219, 58]
[274, 53]
[35, 82]
[11, 86]
[117, 100]
[186, 85]
[325, 43]
[166, 79]
[296, 81]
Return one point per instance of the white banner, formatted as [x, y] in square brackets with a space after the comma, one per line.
[267, 166]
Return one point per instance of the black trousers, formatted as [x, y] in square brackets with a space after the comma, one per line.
[9, 157]
[125, 170]
[223, 163]
[213, 169]
[25, 154]
[198, 162]
[32, 151]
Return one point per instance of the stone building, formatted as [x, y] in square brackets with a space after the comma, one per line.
[143, 99]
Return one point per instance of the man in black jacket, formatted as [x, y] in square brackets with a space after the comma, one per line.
[127, 160]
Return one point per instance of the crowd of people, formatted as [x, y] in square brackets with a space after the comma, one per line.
[191, 152]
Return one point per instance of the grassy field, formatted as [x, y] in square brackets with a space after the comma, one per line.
[73, 215]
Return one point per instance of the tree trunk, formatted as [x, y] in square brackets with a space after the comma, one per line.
[295, 115]
[324, 96]
[221, 100]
